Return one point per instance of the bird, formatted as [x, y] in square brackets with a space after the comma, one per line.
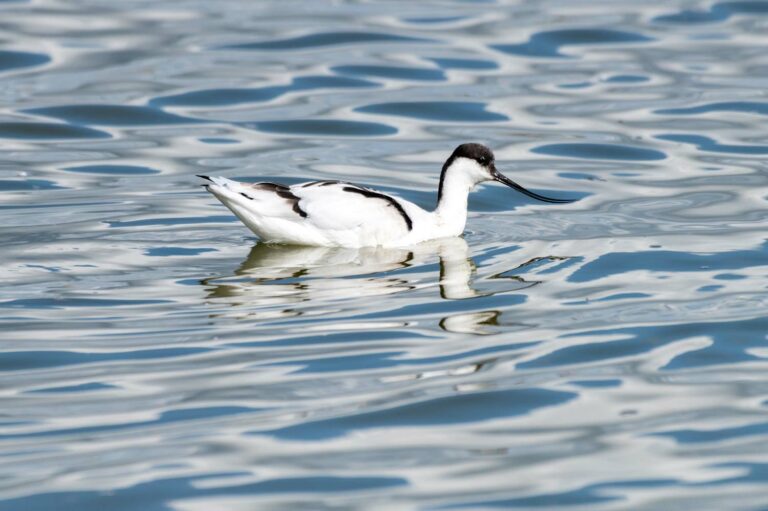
[333, 213]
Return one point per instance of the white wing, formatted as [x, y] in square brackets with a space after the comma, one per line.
[316, 213]
[332, 205]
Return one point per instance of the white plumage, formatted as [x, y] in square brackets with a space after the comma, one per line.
[339, 214]
[316, 213]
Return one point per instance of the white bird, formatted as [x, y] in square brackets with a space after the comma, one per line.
[340, 214]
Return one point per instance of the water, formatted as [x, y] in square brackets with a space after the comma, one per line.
[607, 354]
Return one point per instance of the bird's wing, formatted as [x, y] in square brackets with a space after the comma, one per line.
[268, 200]
[317, 213]
[334, 205]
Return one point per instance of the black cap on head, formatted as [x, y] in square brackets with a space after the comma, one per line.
[484, 157]
[477, 152]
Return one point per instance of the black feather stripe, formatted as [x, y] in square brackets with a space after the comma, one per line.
[270, 187]
[284, 192]
[325, 182]
[298, 210]
[376, 195]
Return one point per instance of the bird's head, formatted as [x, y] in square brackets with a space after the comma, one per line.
[476, 164]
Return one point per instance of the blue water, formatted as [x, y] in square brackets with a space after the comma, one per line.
[608, 354]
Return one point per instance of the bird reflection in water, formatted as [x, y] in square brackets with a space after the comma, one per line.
[283, 281]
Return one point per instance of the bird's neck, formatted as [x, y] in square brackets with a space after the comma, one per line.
[451, 210]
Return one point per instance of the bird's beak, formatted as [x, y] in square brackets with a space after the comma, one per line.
[501, 178]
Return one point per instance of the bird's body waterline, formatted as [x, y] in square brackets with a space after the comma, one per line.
[340, 214]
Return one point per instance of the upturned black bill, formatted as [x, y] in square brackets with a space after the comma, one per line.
[501, 178]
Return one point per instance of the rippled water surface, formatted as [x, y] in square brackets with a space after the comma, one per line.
[607, 354]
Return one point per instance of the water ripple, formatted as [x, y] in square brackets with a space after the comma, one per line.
[720, 349]
[48, 131]
[474, 407]
[709, 144]
[10, 60]
[445, 111]
[111, 115]
[548, 44]
[146, 494]
[8, 185]
[319, 40]
[750, 107]
[113, 170]
[392, 72]
[325, 127]
[470, 64]
[720, 11]
[229, 97]
[600, 151]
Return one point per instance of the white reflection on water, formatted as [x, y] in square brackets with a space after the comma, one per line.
[288, 275]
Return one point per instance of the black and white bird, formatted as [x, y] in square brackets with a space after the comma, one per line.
[340, 214]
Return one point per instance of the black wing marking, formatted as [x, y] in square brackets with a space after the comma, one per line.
[324, 182]
[376, 195]
[281, 191]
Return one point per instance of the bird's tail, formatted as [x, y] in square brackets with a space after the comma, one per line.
[220, 181]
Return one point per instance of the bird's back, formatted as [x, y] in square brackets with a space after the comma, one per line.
[330, 213]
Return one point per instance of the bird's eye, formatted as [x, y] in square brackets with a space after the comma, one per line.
[483, 160]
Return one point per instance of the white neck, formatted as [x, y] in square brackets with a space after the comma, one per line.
[451, 210]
